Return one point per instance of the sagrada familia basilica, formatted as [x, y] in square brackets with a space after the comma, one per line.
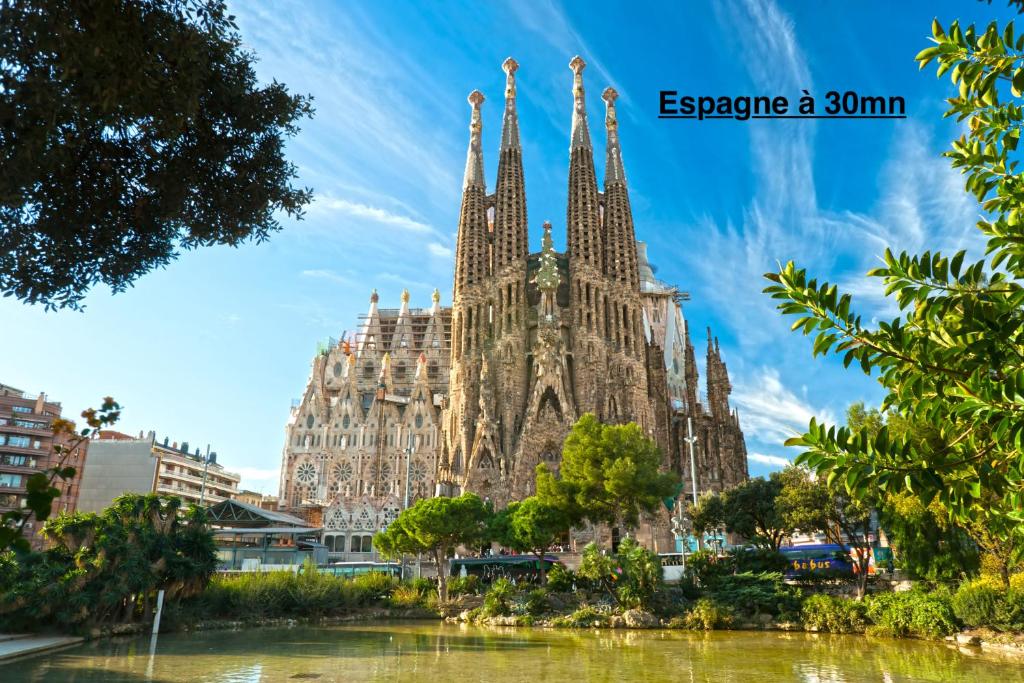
[443, 400]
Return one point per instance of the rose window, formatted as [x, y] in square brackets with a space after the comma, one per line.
[343, 471]
[418, 471]
[385, 471]
[305, 473]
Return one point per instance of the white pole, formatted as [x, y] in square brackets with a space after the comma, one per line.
[690, 438]
[159, 611]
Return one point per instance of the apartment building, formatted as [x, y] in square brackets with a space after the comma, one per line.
[120, 463]
[27, 447]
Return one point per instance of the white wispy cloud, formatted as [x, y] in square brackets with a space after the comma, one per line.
[439, 250]
[770, 411]
[770, 460]
[327, 204]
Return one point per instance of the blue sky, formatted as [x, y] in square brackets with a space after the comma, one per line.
[213, 348]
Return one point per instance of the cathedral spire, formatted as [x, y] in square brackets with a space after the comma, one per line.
[475, 157]
[471, 254]
[620, 239]
[583, 220]
[510, 124]
[719, 386]
[510, 232]
[580, 133]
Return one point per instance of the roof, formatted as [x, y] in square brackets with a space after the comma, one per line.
[500, 559]
[265, 530]
[236, 513]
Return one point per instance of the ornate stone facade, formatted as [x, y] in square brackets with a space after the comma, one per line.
[532, 342]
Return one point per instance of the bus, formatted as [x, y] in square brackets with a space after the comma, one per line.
[350, 569]
[825, 558]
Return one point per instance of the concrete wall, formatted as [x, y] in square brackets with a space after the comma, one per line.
[113, 468]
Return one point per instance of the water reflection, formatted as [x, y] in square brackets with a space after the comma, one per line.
[442, 653]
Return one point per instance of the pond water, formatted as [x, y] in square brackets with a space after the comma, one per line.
[446, 653]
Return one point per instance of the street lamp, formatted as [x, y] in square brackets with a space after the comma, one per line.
[681, 527]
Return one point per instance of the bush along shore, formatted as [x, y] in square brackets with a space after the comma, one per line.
[622, 591]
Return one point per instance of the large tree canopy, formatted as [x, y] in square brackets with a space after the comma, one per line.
[437, 526]
[130, 129]
[609, 474]
[954, 359]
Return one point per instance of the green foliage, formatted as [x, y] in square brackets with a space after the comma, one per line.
[748, 510]
[437, 526]
[530, 526]
[758, 560]
[754, 594]
[631, 577]
[927, 545]
[707, 514]
[252, 596]
[497, 600]
[708, 615]
[141, 124]
[953, 361]
[40, 488]
[584, 617]
[464, 585]
[707, 567]
[814, 504]
[822, 612]
[978, 602]
[912, 613]
[107, 568]
[609, 474]
[537, 602]
[561, 579]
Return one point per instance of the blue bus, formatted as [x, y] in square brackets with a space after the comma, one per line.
[826, 558]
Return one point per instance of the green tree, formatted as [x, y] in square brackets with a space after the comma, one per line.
[811, 504]
[531, 526]
[750, 510]
[132, 129]
[707, 514]
[106, 568]
[437, 526]
[609, 474]
[954, 358]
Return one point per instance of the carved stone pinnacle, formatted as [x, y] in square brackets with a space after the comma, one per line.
[577, 64]
[476, 98]
[610, 95]
[510, 66]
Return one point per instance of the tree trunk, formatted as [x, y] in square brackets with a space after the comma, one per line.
[543, 568]
[440, 556]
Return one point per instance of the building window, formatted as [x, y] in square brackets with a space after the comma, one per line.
[18, 441]
[18, 460]
[10, 480]
[21, 409]
[361, 544]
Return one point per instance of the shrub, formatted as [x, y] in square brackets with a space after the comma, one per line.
[979, 602]
[463, 585]
[537, 602]
[823, 612]
[706, 567]
[496, 601]
[373, 586]
[707, 615]
[913, 613]
[753, 594]
[408, 595]
[560, 579]
[584, 617]
[1011, 613]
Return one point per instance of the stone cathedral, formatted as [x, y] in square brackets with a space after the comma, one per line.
[471, 398]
